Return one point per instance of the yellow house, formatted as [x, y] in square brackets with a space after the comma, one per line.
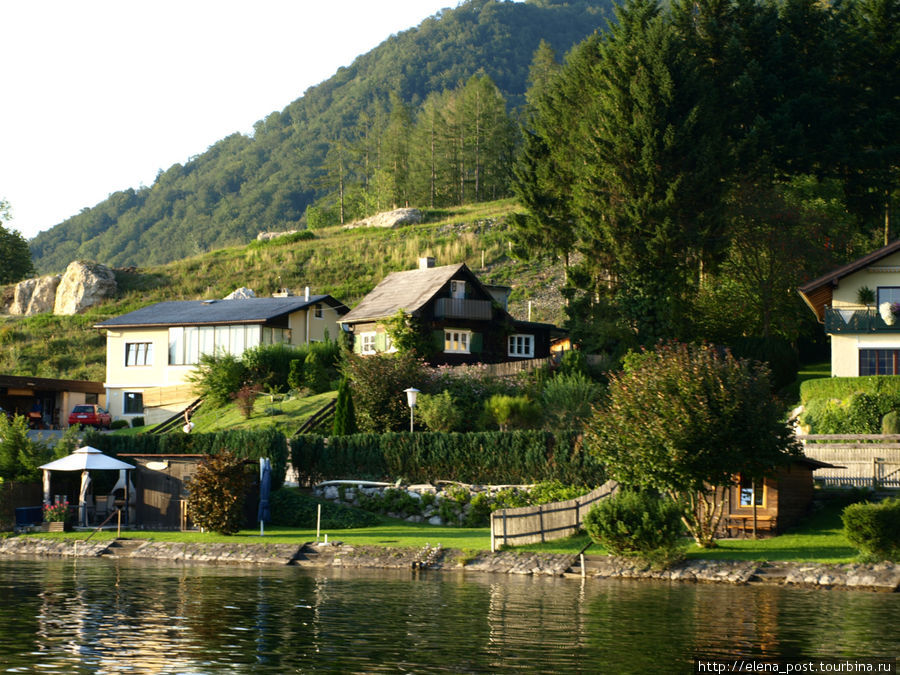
[151, 352]
[859, 304]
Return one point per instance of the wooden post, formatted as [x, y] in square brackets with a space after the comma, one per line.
[541, 516]
[119, 522]
[318, 522]
[753, 499]
[493, 542]
[581, 557]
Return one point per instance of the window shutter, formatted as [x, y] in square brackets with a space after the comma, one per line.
[477, 344]
[381, 342]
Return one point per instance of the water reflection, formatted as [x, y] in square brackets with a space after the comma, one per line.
[114, 617]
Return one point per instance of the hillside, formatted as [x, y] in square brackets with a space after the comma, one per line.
[243, 185]
[344, 263]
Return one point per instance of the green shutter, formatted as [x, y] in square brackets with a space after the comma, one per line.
[477, 343]
[381, 342]
[437, 336]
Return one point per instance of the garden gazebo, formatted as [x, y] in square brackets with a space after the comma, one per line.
[86, 459]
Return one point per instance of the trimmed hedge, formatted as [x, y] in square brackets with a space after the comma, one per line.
[245, 444]
[496, 457]
[874, 529]
[291, 508]
[844, 387]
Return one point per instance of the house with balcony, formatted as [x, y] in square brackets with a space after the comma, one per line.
[151, 352]
[468, 321]
[859, 304]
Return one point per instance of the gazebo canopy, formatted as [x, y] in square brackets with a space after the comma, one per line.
[86, 459]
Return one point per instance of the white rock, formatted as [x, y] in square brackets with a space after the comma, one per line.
[83, 285]
[241, 293]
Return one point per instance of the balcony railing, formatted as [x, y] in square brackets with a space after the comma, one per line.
[857, 321]
[453, 308]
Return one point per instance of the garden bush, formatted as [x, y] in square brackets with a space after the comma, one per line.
[291, 508]
[137, 422]
[874, 529]
[118, 424]
[440, 413]
[890, 423]
[777, 352]
[568, 400]
[216, 493]
[639, 524]
[512, 412]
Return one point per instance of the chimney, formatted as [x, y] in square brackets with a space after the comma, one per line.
[425, 263]
[306, 293]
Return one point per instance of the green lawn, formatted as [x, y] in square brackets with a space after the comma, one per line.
[819, 539]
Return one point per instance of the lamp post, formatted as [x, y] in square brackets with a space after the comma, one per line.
[411, 395]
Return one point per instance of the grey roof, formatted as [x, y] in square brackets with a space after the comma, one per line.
[409, 290]
[209, 312]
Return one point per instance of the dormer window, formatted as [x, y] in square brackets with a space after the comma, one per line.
[458, 290]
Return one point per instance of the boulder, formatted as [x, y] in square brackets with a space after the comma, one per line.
[84, 285]
[35, 296]
[389, 219]
[242, 293]
[266, 236]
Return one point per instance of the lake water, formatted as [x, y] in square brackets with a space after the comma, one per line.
[106, 616]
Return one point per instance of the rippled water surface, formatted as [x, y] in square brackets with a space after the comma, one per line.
[104, 616]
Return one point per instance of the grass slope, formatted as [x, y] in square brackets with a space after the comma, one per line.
[344, 263]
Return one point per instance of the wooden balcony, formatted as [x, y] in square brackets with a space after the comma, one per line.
[453, 308]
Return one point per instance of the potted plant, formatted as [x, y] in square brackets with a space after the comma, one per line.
[865, 296]
[55, 516]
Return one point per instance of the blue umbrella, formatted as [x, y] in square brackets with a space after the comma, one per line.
[265, 485]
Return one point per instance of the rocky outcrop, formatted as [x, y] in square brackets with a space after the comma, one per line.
[266, 236]
[35, 296]
[242, 293]
[389, 219]
[84, 285]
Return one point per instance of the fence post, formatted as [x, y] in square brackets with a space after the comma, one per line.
[493, 543]
[541, 516]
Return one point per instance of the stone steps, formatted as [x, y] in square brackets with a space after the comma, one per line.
[123, 548]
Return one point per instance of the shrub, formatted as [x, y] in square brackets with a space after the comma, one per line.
[316, 375]
[777, 352]
[269, 365]
[118, 424]
[216, 493]
[378, 383]
[344, 414]
[568, 400]
[512, 412]
[137, 422]
[295, 374]
[874, 529]
[244, 399]
[217, 377]
[637, 524]
[890, 423]
[292, 508]
[439, 412]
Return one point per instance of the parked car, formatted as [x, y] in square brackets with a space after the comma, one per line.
[90, 415]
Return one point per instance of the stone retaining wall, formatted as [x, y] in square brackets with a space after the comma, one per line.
[884, 577]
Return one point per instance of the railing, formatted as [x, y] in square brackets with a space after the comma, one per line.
[174, 422]
[857, 321]
[864, 460]
[319, 418]
[455, 308]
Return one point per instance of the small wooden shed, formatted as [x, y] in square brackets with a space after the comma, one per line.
[770, 506]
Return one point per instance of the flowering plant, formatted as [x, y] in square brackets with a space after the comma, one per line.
[56, 513]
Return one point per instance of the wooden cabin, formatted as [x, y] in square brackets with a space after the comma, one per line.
[770, 506]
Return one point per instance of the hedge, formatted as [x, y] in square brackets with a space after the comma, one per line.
[874, 529]
[844, 387]
[246, 444]
[495, 457]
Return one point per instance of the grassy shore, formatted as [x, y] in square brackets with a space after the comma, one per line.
[818, 539]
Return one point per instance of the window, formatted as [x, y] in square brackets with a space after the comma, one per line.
[457, 341]
[521, 345]
[458, 290]
[748, 492]
[888, 294]
[188, 343]
[317, 311]
[134, 403]
[367, 343]
[879, 362]
[138, 353]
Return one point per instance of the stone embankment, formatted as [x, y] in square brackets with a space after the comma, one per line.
[884, 577]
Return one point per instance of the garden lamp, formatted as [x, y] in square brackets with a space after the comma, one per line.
[411, 395]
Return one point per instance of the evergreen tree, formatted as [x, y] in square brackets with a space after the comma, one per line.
[344, 414]
[15, 257]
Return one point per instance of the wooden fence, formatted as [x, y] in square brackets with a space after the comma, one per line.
[866, 460]
[532, 524]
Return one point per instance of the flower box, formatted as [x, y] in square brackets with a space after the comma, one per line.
[55, 526]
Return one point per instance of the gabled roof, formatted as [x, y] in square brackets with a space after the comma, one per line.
[817, 293]
[409, 290]
[217, 312]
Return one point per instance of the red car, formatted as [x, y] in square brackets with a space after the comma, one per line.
[90, 415]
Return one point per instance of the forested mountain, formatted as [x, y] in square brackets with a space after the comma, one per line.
[343, 134]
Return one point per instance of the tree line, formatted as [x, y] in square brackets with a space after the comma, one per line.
[692, 165]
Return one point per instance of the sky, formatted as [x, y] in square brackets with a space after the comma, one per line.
[99, 95]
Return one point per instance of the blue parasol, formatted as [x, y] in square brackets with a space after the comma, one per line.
[265, 485]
